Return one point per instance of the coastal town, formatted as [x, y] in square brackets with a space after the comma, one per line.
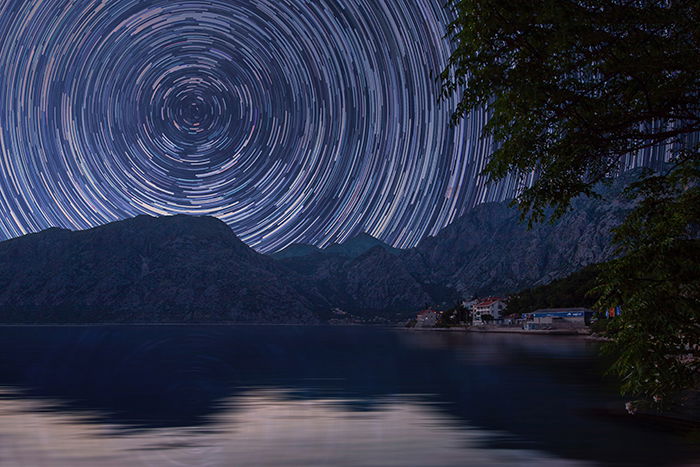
[490, 314]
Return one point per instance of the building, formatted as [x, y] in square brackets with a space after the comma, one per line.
[491, 306]
[468, 307]
[427, 319]
[558, 318]
[469, 304]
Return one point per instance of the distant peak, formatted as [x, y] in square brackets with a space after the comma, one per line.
[295, 250]
[184, 220]
[357, 245]
[55, 229]
[363, 236]
[361, 239]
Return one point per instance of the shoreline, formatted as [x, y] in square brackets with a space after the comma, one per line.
[476, 330]
[584, 333]
[534, 332]
[10, 325]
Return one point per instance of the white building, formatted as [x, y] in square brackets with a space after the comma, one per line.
[492, 306]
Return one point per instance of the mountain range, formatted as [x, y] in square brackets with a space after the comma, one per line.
[352, 248]
[184, 268]
[486, 251]
[145, 269]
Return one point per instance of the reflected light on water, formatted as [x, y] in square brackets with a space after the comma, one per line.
[260, 427]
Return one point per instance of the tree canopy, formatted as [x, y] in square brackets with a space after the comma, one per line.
[572, 88]
[656, 279]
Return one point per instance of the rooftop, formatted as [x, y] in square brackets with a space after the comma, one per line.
[489, 301]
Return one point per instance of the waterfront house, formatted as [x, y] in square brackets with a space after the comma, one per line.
[491, 306]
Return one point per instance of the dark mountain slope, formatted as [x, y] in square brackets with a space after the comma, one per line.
[486, 251]
[380, 281]
[183, 268]
[296, 250]
[375, 282]
[489, 251]
[358, 246]
[177, 268]
[351, 248]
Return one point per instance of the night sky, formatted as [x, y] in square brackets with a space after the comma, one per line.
[291, 120]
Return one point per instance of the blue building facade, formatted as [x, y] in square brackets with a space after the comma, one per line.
[558, 318]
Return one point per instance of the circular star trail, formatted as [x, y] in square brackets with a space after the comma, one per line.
[292, 121]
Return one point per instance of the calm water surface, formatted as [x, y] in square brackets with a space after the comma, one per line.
[254, 395]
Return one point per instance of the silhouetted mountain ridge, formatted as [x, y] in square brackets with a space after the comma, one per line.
[166, 269]
[351, 248]
[184, 268]
[490, 251]
[486, 251]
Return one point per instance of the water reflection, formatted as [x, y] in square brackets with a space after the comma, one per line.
[263, 428]
[217, 395]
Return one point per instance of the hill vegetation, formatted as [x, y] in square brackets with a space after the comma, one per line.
[574, 290]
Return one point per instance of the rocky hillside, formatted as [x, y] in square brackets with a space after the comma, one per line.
[375, 282]
[351, 248]
[488, 251]
[165, 269]
[362, 275]
[183, 268]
